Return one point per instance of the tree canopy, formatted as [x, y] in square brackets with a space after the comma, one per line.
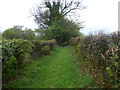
[50, 10]
[13, 33]
[17, 32]
[51, 18]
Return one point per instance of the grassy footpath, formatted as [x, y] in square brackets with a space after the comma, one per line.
[55, 71]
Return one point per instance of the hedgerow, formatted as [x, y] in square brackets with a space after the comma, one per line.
[17, 52]
[14, 55]
[103, 51]
[42, 47]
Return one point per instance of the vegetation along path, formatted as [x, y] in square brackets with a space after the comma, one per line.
[57, 70]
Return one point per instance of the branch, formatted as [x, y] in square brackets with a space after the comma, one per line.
[66, 6]
[48, 4]
[72, 6]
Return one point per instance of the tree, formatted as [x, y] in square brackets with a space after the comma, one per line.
[13, 33]
[50, 10]
[17, 32]
[29, 34]
[51, 15]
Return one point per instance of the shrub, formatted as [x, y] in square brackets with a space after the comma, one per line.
[42, 47]
[46, 50]
[103, 51]
[15, 53]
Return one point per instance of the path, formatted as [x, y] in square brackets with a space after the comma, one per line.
[55, 71]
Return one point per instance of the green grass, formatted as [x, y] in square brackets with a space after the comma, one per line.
[55, 71]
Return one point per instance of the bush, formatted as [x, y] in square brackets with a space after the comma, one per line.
[46, 50]
[42, 47]
[103, 51]
[15, 53]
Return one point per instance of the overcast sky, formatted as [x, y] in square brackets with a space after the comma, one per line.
[99, 15]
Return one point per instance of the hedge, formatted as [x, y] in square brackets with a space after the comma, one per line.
[17, 52]
[42, 47]
[103, 51]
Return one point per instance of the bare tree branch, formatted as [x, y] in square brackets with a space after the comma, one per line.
[55, 8]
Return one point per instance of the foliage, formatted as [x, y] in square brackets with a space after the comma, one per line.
[18, 33]
[49, 11]
[15, 53]
[13, 33]
[50, 17]
[103, 53]
[42, 47]
[54, 71]
[62, 31]
[29, 35]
